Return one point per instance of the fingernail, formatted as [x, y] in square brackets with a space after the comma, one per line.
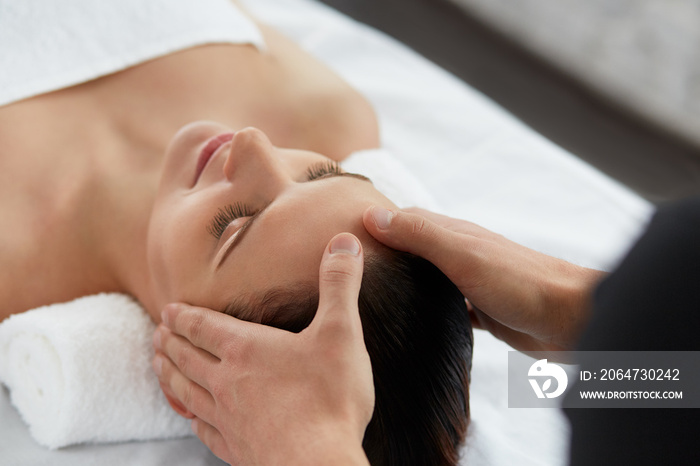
[194, 425]
[156, 339]
[158, 365]
[345, 244]
[382, 217]
[164, 315]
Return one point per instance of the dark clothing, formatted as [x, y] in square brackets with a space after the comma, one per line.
[651, 303]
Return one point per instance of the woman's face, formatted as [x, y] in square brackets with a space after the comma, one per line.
[248, 218]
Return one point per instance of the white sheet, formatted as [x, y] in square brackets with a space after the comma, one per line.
[478, 163]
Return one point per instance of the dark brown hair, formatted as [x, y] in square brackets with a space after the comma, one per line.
[419, 339]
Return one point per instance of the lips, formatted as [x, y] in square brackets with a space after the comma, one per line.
[210, 148]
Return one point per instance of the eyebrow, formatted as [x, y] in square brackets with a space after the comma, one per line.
[246, 226]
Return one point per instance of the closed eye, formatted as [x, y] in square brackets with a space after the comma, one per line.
[225, 216]
[318, 171]
[328, 169]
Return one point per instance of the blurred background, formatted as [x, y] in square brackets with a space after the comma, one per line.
[615, 82]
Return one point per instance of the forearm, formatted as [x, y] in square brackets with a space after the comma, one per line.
[571, 304]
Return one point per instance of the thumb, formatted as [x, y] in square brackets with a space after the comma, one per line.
[410, 232]
[339, 283]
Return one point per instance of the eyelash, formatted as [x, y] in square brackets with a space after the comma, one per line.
[231, 212]
[322, 169]
[225, 216]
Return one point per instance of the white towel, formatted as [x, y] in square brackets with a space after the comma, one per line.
[80, 372]
[49, 45]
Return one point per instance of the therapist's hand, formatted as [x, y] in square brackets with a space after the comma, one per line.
[260, 395]
[531, 301]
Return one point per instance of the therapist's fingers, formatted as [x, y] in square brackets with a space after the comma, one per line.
[212, 438]
[183, 392]
[410, 232]
[337, 339]
[339, 285]
[475, 320]
[178, 407]
[455, 224]
[204, 328]
[194, 363]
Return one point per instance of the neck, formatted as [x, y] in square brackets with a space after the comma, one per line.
[76, 201]
[123, 228]
[116, 218]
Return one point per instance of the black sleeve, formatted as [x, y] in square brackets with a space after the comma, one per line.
[650, 303]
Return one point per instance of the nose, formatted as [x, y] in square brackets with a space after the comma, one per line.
[252, 159]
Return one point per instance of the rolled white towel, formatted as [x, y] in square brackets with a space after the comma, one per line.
[80, 372]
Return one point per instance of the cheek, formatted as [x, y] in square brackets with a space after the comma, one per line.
[157, 255]
[173, 247]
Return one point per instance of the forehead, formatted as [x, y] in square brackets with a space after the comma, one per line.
[285, 245]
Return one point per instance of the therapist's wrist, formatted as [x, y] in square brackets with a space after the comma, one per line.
[331, 446]
[573, 303]
[342, 450]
